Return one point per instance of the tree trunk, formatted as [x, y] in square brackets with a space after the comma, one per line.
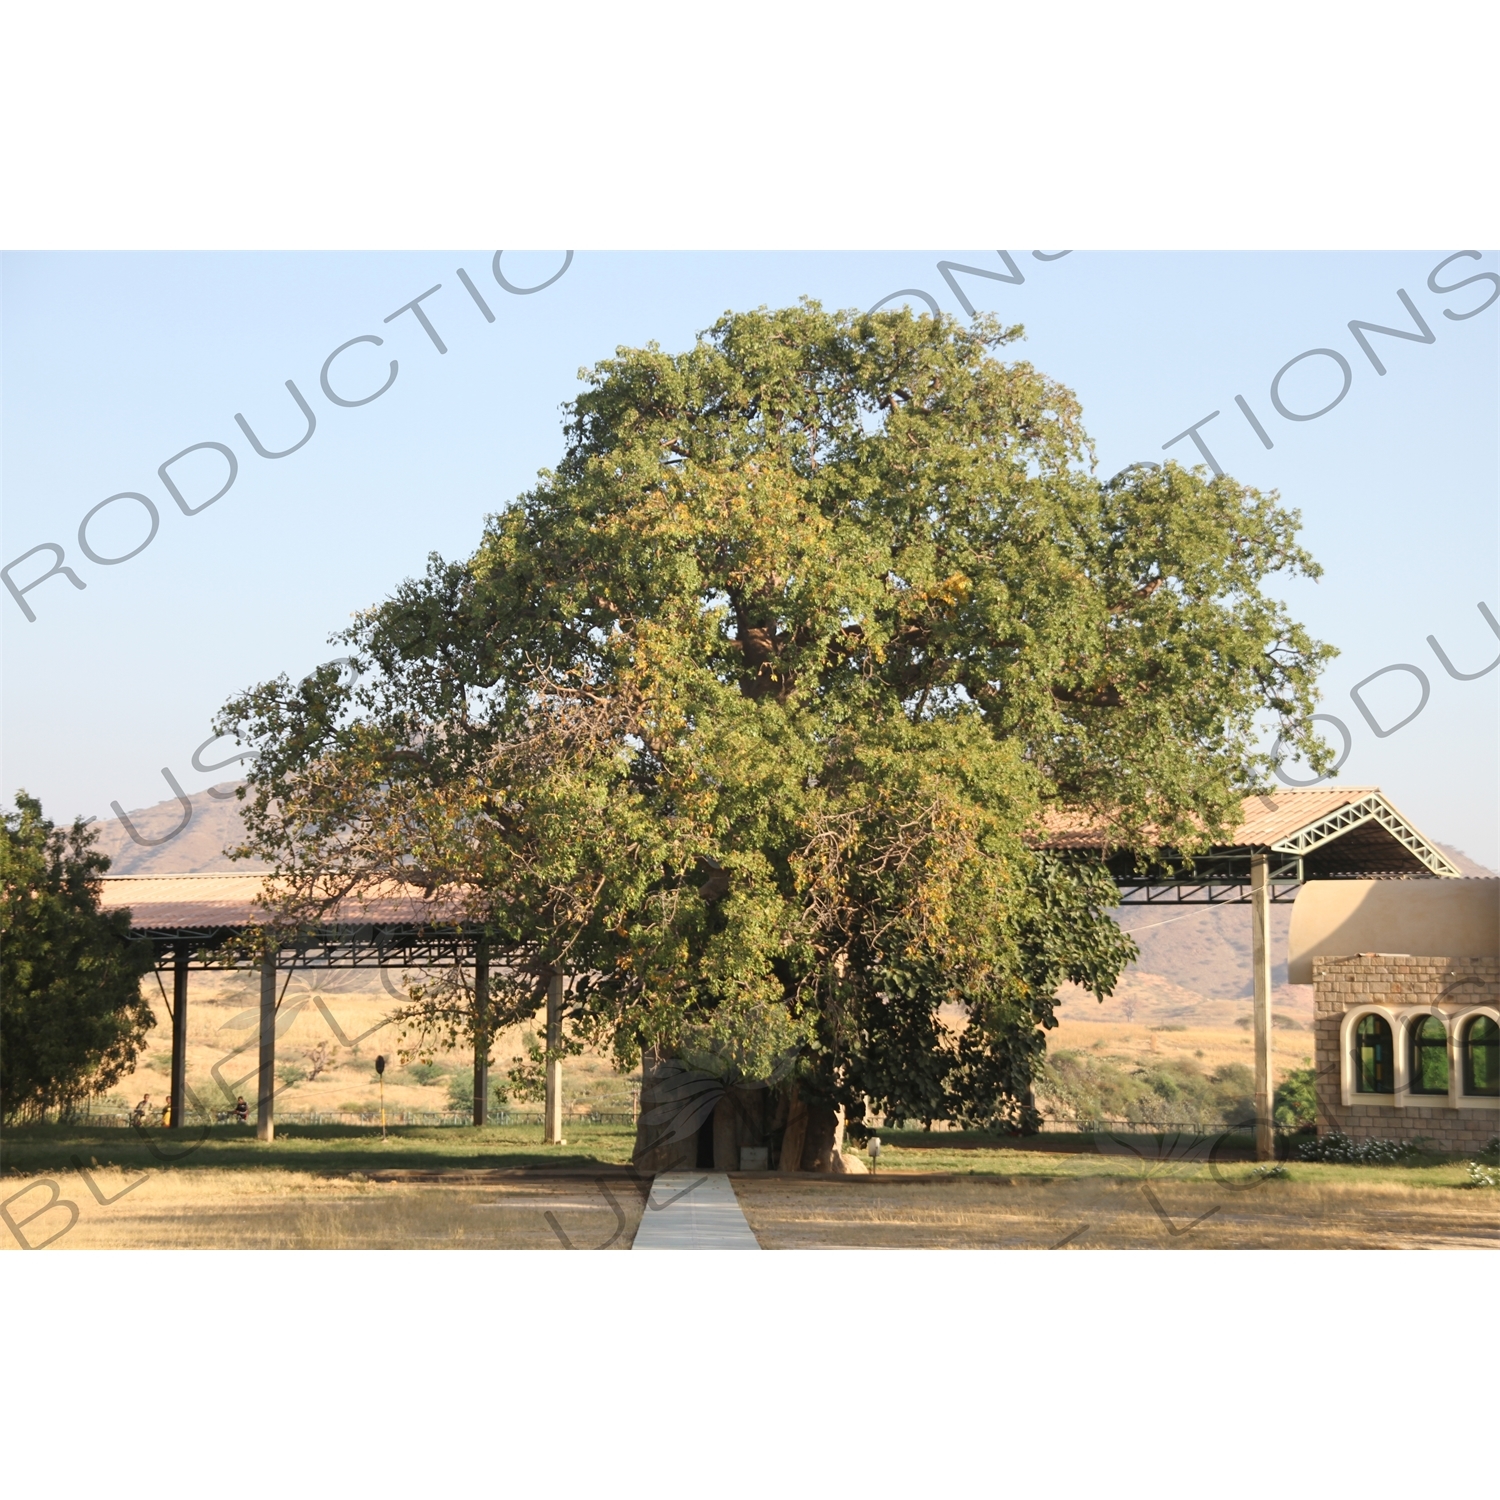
[794, 1140]
[554, 1104]
[666, 1131]
[825, 1137]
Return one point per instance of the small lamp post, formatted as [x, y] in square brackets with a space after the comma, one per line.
[874, 1153]
[380, 1073]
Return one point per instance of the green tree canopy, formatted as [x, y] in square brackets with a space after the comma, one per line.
[72, 1016]
[847, 616]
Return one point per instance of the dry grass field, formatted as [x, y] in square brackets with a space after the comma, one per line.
[280, 1210]
[1095, 1212]
[1150, 1020]
[329, 1032]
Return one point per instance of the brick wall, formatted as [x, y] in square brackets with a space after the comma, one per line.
[1453, 986]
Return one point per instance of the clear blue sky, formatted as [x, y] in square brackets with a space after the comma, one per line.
[112, 363]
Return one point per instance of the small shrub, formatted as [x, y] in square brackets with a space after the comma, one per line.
[290, 1075]
[1338, 1147]
[461, 1093]
[426, 1072]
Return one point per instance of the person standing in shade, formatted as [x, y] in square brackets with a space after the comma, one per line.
[138, 1114]
[166, 1112]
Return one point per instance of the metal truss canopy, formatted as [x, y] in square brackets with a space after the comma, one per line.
[367, 947]
[1218, 879]
[1341, 844]
[1305, 835]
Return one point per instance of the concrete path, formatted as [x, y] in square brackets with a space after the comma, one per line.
[693, 1211]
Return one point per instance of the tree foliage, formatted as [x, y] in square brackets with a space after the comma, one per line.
[752, 711]
[72, 1016]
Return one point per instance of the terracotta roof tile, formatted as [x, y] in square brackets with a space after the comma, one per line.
[172, 902]
[1270, 820]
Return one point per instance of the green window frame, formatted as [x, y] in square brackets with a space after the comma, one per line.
[1374, 1056]
[1481, 1054]
[1428, 1059]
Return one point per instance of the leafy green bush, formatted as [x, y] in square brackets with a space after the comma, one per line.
[430, 1072]
[528, 1077]
[1296, 1104]
[73, 1017]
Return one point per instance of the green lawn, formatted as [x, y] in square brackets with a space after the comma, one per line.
[318, 1150]
[1184, 1157]
[337, 1150]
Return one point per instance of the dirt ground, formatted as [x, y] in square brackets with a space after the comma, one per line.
[274, 1210]
[1098, 1212]
[421, 1192]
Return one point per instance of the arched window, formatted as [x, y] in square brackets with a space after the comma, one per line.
[1374, 1057]
[1481, 1047]
[1429, 1056]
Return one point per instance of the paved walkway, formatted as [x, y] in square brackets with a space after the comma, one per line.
[693, 1211]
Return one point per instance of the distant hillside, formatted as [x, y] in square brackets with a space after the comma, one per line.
[1203, 948]
[213, 827]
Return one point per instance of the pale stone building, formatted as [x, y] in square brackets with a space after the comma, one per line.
[1407, 1039]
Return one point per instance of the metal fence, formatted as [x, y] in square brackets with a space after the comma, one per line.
[1145, 1127]
[116, 1120]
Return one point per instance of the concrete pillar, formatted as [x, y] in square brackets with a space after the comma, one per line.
[554, 1104]
[265, 1129]
[178, 1097]
[481, 1030]
[1260, 944]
